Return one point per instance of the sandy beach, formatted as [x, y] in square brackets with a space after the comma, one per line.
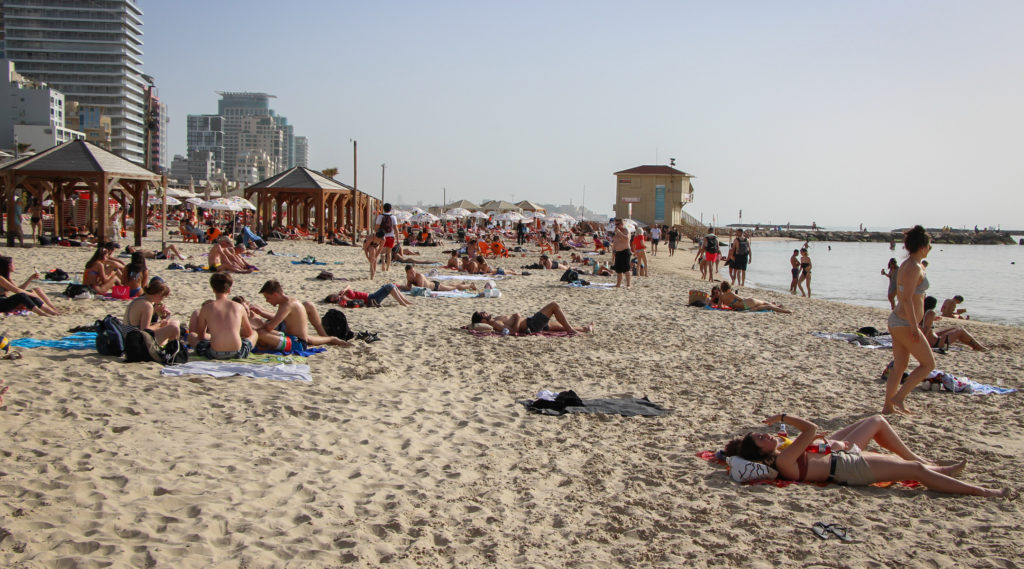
[412, 451]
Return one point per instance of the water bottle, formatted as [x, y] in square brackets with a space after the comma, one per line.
[505, 332]
[820, 448]
[782, 430]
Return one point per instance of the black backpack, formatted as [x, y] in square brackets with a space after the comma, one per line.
[73, 290]
[570, 276]
[110, 336]
[742, 247]
[336, 324]
[711, 243]
[139, 346]
[56, 275]
[385, 223]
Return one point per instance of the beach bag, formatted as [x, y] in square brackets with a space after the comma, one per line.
[174, 352]
[75, 290]
[336, 324]
[56, 275]
[570, 276]
[140, 346]
[698, 298]
[711, 243]
[385, 224]
[110, 340]
[120, 292]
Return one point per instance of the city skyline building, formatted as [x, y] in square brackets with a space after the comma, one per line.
[301, 152]
[257, 141]
[32, 114]
[90, 50]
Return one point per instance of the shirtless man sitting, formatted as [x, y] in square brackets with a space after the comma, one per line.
[413, 278]
[222, 258]
[453, 261]
[222, 330]
[539, 322]
[287, 329]
[949, 308]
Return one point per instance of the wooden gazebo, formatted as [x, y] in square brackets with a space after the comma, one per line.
[82, 167]
[295, 193]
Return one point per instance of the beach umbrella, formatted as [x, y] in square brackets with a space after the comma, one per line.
[450, 217]
[220, 204]
[479, 215]
[417, 210]
[401, 215]
[240, 202]
[424, 218]
[47, 203]
[459, 212]
[170, 201]
[194, 201]
[510, 216]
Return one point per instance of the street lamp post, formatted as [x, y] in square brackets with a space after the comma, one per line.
[382, 168]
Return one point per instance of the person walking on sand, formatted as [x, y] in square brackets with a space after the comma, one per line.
[621, 252]
[673, 238]
[640, 252]
[372, 248]
[655, 239]
[741, 256]
[894, 269]
[385, 227]
[805, 273]
[712, 253]
[907, 337]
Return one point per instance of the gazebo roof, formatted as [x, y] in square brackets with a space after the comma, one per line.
[465, 204]
[500, 205]
[530, 206]
[299, 178]
[79, 158]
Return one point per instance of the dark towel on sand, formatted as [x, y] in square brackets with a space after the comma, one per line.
[628, 407]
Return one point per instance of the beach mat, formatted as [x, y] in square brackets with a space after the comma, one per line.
[76, 341]
[278, 372]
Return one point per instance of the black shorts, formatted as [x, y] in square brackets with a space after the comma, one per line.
[740, 263]
[537, 323]
[621, 261]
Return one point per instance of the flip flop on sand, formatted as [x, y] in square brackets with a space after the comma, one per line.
[825, 531]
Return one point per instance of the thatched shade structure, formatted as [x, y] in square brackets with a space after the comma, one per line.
[500, 206]
[80, 166]
[527, 205]
[294, 192]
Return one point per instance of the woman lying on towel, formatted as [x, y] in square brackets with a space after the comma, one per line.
[840, 459]
[725, 297]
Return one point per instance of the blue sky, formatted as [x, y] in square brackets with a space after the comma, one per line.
[883, 113]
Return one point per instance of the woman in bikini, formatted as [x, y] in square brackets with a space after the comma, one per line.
[943, 338]
[894, 270]
[139, 313]
[728, 298]
[805, 273]
[136, 274]
[372, 248]
[640, 252]
[96, 276]
[907, 338]
[13, 297]
[843, 460]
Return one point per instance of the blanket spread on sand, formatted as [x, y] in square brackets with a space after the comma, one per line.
[598, 286]
[280, 372]
[627, 407]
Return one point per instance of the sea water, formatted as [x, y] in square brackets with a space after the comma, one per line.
[987, 276]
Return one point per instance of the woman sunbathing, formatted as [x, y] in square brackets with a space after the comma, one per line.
[727, 298]
[13, 297]
[844, 462]
[139, 313]
[943, 338]
[96, 276]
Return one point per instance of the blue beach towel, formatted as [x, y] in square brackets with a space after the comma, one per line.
[76, 341]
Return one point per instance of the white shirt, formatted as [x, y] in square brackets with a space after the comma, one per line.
[394, 224]
[656, 233]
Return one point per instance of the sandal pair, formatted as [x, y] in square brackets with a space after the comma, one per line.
[825, 531]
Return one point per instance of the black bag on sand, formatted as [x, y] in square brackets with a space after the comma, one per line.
[141, 347]
[336, 324]
[73, 290]
[56, 275]
[110, 336]
[570, 276]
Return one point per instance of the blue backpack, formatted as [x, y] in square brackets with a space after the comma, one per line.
[110, 336]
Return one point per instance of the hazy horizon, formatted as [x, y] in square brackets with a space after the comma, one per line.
[887, 114]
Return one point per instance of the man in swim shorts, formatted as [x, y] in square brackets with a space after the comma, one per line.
[621, 253]
[539, 322]
[222, 329]
[222, 258]
[287, 329]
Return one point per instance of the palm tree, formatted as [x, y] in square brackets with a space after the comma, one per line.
[329, 172]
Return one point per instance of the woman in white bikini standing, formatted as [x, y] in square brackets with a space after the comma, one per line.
[907, 338]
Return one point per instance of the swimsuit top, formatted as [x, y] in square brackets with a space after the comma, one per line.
[921, 288]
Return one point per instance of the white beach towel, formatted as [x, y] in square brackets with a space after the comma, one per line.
[281, 372]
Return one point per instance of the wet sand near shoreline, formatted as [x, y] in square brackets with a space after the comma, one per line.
[412, 451]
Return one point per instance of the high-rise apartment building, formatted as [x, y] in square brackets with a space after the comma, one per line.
[205, 144]
[90, 50]
[156, 126]
[31, 114]
[257, 141]
[301, 152]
